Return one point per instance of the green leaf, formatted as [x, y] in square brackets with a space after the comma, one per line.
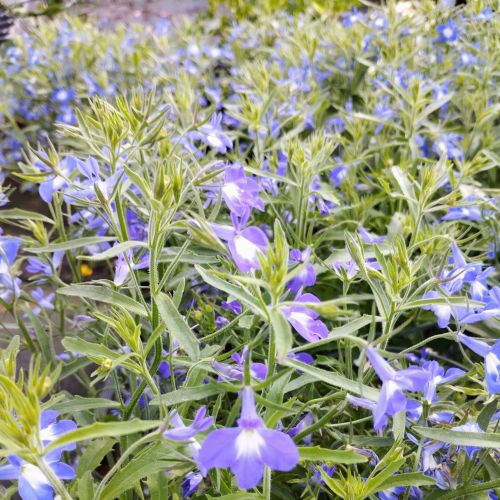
[455, 301]
[177, 326]
[103, 429]
[458, 438]
[233, 290]
[18, 214]
[104, 294]
[405, 479]
[114, 251]
[71, 244]
[282, 333]
[93, 455]
[186, 394]
[90, 349]
[486, 414]
[333, 379]
[148, 461]
[335, 456]
[78, 403]
[465, 491]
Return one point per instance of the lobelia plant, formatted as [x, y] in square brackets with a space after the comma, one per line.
[293, 220]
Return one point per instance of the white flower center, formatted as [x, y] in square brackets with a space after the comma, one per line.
[492, 364]
[34, 475]
[246, 249]
[232, 191]
[448, 32]
[249, 443]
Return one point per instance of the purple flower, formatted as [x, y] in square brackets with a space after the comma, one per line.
[240, 193]
[370, 238]
[437, 376]
[32, 482]
[246, 449]
[234, 306]
[9, 247]
[392, 400]
[468, 427]
[491, 355]
[191, 482]
[228, 372]
[349, 268]
[306, 421]
[306, 276]
[304, 320]
[317, 477]
[469, 213]
[212, 134]
[58, 181]
[443, 312]
[447, 32]
[42, 301]
[245, 245]
[63, 95]
[181, 432]
[449, 145]
[369, 405]
[491, 309]
[338, 174]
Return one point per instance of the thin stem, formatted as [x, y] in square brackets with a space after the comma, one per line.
[56, 483]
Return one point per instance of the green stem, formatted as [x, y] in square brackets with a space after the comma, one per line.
[56, 483]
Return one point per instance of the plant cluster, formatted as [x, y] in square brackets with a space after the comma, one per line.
[271, 271]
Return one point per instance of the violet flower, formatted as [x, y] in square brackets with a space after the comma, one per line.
[56, 182]
[447, 32]
[392, 399]
[468, 427]
[231, 372]
[491, 355]
[245, 245]
[370, 238]
[32, 482]
[240, 193]
[42, 301]
[306, 276]
[437, 376]
[304, 320]
[248, 448]
[181, 432]
[212, 135]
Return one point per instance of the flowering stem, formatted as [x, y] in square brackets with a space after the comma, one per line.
[267, 483]
[56, 483]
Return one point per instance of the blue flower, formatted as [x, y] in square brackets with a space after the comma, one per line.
[32, 482]
[248, 448]
[450, 145]
[181, 432]
[491, 355]
[212, 134]
[240, 192]
[306, 276]
[63, 95]
[304, 320]
[42, 301]
[370, 238]
[468, 427]
[392, 400]
[447, 32]
[245, 245]
[437, 376]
